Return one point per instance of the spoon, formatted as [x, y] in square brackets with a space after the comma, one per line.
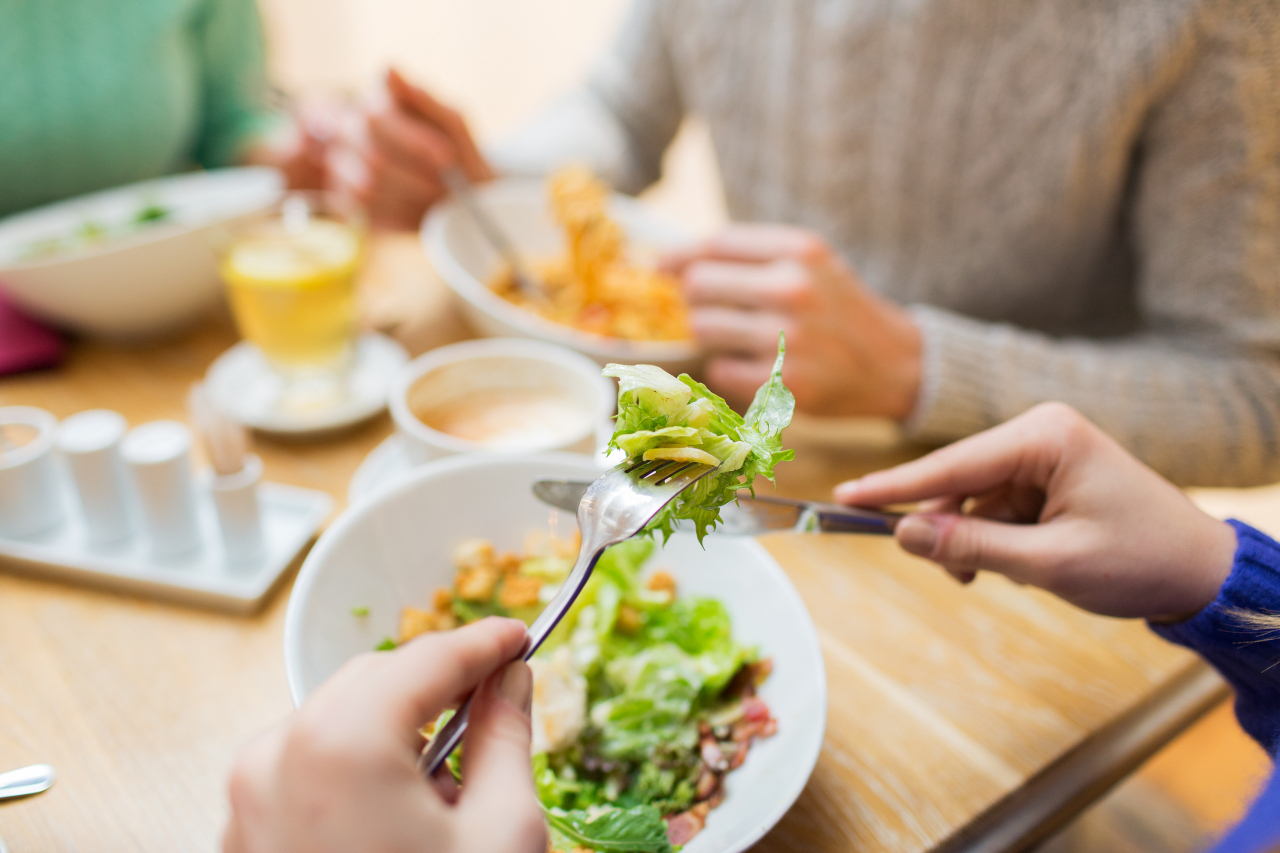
[26, 781]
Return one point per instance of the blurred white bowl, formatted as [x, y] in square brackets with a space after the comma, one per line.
[466, 262]
[142, 284]
[395, 549]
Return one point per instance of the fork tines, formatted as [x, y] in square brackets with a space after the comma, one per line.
[659, 472]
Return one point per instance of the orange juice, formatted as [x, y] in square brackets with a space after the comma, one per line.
[293, 290]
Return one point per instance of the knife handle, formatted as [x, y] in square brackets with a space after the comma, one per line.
[851, 520]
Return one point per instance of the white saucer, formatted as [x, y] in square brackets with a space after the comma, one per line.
[244, 387]
[389, 462]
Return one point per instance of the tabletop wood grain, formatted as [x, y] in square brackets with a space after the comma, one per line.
[952, 709]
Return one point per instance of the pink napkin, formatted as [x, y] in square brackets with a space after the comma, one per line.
[24, 343]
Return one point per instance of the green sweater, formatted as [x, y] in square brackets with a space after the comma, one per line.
[94, 94]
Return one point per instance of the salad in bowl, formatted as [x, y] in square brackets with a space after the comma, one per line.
[680, 704]
[643, 700]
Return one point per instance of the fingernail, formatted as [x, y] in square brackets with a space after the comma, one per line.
[918, 534]
[516, 686]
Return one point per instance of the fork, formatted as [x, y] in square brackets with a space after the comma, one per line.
[460, 187]
[615, 507]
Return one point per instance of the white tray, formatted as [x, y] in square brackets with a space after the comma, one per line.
[290, 518]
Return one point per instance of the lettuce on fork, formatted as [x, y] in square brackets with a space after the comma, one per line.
[661, 416]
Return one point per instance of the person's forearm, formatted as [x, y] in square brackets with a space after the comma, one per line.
[1198, 419]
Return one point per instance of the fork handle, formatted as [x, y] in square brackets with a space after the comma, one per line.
[446, 740]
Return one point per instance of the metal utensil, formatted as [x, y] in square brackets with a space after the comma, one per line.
[26, 781]
[751, 516]
[615, 507]
[461, 189]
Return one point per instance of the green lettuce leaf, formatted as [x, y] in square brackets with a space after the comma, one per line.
[634, 830]
[657, 691]
[658, 411]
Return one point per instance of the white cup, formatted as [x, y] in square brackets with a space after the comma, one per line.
[30, 489]
[556, 398]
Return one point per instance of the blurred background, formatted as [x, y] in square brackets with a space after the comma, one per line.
[467, 53]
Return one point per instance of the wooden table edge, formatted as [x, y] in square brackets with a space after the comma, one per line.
[1051, 798]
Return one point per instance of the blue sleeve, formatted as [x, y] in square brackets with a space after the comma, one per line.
[232, 55]
[1247, 658]
[1259, 832]
[1250, 660]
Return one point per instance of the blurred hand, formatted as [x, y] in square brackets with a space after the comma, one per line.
[390, 155]
[1050, 500]
[300, 147]
[341, 774]
[849, 352]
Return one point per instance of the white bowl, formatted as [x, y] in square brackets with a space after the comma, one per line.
[466, 261]
[394, 549]
[448, 373]
[146, 283]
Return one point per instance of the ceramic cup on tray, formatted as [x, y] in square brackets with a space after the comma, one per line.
[500, 395]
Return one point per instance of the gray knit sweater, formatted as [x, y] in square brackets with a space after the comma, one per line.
[1080, 199]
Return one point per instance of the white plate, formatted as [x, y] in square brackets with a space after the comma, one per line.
[245, 388]
[465, 261]
[148, 282]
[394, 549]
[290, 517]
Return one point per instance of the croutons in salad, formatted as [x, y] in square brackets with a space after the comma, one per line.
[642, 703]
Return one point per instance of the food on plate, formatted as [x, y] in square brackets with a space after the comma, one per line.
[594, 286]
[642, 700]
[92, 233]
[664, 417]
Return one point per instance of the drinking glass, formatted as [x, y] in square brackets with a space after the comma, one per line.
[291, 277]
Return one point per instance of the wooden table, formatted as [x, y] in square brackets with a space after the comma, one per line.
[973, 718]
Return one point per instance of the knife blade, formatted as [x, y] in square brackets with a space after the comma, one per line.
[752, 516]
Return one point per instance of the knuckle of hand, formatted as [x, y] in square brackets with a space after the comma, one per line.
[1072, 428]
[697, 276]
[792, 287]
[1057, 413]
[959, 546]
[812, 249]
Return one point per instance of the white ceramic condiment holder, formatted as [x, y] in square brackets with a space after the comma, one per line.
[30, 499]
[246, 532]
[239, 514]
